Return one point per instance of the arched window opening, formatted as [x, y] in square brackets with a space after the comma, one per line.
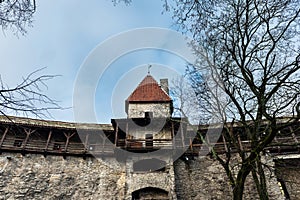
[150, 193]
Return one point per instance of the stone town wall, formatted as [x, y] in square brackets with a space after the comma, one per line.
[200, 179]
[37, 177]
[34, 176]
[291, 177]
[204, 178]
[288, 171]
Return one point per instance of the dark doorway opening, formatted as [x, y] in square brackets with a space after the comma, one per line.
[148, 165]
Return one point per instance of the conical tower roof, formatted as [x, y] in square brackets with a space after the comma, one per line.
[149, 91]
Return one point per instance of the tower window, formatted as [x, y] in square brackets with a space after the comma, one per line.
[148, 114]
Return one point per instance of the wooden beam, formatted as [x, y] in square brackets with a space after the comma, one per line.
[173, 135]
[86, 142]
[240, 142]
[28, 133]
[225, 144]
[191, 144]
[127, 134]
[103, 143]
[295, 138]
[116, 134]
[3, 136]
[48, 140]
[208, 142]
[182, 135]
[293, 134]
[68, 136]
[278, 147]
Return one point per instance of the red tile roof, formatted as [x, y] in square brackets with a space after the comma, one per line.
[148, 90]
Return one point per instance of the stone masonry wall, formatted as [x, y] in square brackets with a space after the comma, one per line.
[164, 180]
[288, 171]
[52, 177]
[291, 177]
[200, 179]
[137, 110]
[204, 178]
[34, 176]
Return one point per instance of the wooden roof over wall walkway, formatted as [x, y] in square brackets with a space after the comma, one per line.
[26, 135]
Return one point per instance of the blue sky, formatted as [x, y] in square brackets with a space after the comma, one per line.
[65, 32]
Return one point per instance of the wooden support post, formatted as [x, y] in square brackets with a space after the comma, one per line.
[240, 142]
[173, 135]
[208, 142]
[225, 144]
[127, 134]
[28, 133]
[278, 147]
[103, 143]
[191, 144]
[3, 136]
[48, 140]
[67, 141]
[295, 138]
[116, 134]
[68, 136]
[293, 134]
[47, 143]
[86, 142]
[182, 135]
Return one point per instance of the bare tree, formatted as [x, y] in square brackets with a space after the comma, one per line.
[249, 55]
[16, 14]
[27, 98]
[186, 101]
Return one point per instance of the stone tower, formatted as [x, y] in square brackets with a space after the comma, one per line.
[148, 128]
[149, 99]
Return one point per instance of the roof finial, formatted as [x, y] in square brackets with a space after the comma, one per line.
[149, 68]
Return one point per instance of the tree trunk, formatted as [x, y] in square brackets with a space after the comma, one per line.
[238, 190]
[263, 195]
[260, 180]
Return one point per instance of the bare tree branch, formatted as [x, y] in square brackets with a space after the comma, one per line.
[27, 97]
[16, 15]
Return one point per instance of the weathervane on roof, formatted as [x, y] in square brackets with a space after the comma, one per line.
[149, 68]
